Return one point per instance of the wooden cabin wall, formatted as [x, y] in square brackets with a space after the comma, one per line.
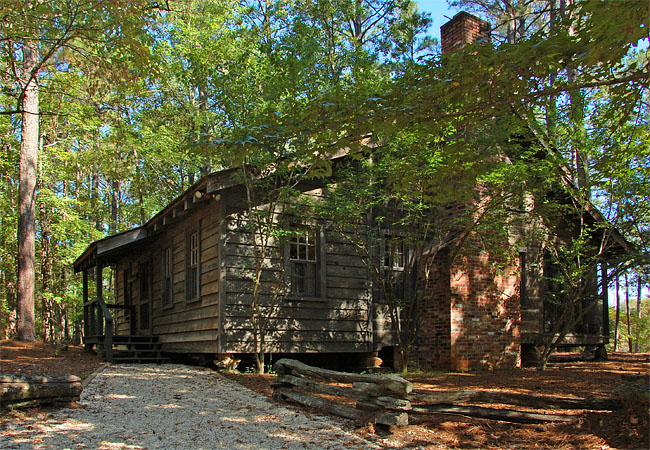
[183, 326]
[340, 322]
[190, 326]
[121, 317]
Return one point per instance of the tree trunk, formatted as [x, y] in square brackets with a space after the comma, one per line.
[115, 188]
[511, 18]
[638, 309]
[627, 314]
[47, 284]
[618, 316]
[16, 390]
[27, 192]
[9, 325]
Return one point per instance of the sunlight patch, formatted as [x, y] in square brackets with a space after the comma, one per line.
[120, 396]
[234, 419]
[164, 406]
[105, 445]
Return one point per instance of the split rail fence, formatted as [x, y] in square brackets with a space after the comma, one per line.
[387, 399]
[377, 398]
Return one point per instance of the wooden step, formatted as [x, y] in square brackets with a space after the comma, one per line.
[132, 349]
[141, 359]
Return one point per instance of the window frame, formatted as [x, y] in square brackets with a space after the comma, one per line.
[319, 263]
[167, 288]
[389, 267]
[193, 265]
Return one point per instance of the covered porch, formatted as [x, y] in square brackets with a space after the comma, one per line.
[100, 313]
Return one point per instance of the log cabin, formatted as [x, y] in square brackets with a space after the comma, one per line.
[183, 286]
[184, 281]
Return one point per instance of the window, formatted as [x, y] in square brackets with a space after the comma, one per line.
[303, 263]
[394, 265]
[126, 291]
[167, 277]
[394, 254]
[554, 294]
[192, 265]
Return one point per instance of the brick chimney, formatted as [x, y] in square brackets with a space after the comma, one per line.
[463, 28]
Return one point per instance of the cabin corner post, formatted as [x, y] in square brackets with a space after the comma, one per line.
[223, 295]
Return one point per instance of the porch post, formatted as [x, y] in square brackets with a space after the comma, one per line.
[100, 297]
[86, 306]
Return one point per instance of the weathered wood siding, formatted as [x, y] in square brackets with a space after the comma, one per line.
[189, 325]
[121, 317]
[184, 325]
[339, 322]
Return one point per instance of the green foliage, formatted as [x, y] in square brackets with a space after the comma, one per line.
[640, 328]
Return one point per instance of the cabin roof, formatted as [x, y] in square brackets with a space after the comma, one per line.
[207, 187]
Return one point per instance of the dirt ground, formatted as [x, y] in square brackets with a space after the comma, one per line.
[39, 359]
[623, 429]
[626, 428]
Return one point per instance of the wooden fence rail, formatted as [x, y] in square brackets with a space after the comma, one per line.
[378, 399]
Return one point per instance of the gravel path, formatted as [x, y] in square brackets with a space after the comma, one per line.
[174, 407]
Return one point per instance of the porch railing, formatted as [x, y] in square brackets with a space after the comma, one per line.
[98, 322]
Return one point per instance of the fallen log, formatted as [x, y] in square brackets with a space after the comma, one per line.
[313, 386]
[395, 384]
[285, 380]
[23, 390]
[320, 404]
[506, 415]
[513, 398]
[330, 407]
[371, 389]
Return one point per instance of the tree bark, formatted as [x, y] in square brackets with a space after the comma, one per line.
[618, 316]
[28, 162]
[392, 383]
[638, 308]
[116, 187]
[627, 314]
[47, 282]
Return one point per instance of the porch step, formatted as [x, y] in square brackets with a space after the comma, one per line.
[137, 357]
[134, 349]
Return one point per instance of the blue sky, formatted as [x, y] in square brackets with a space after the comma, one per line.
[438, 10]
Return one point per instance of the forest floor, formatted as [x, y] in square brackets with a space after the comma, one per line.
[626, 428]
[568, 376]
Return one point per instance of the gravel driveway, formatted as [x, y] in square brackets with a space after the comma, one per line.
[174, 407]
